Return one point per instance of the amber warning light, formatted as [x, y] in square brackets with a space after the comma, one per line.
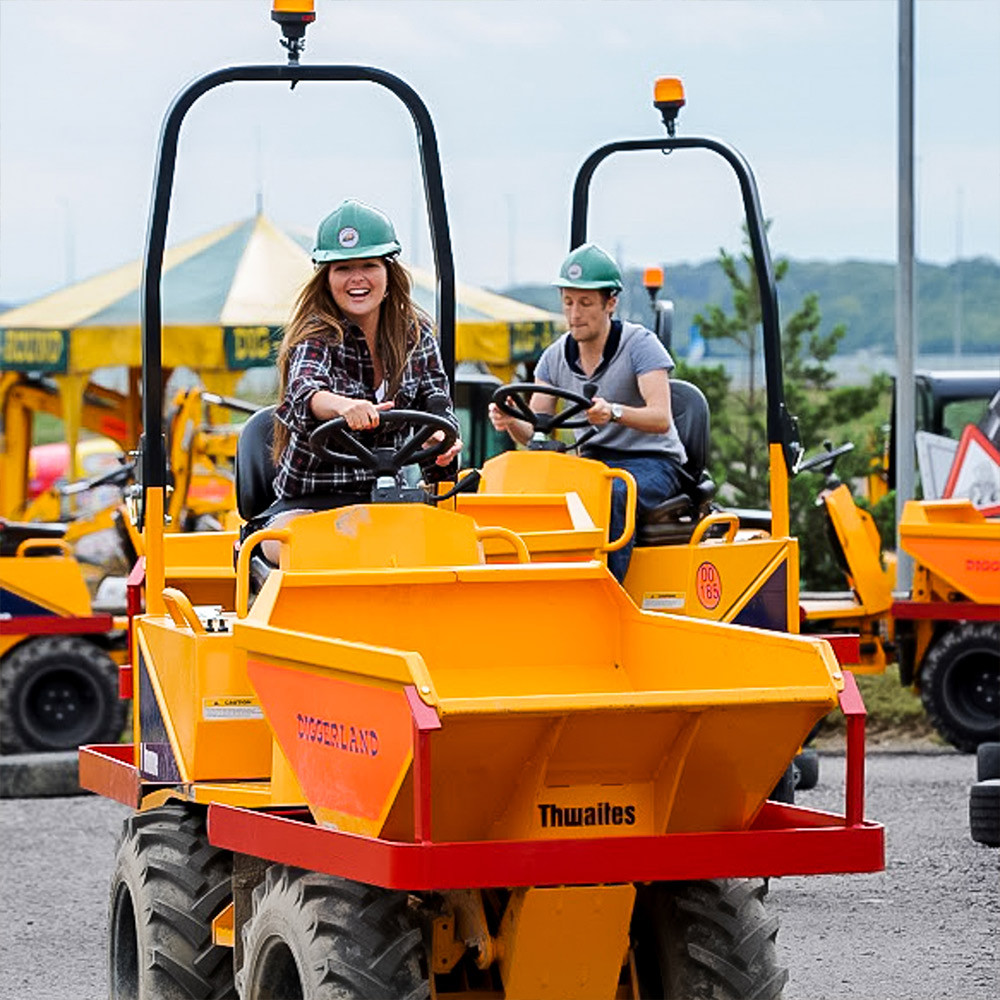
[668, 99]
[652, 279]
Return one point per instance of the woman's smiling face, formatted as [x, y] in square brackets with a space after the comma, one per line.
[358, 287]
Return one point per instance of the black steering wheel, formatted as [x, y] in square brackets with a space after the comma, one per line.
[335, 433]
[122, 475]
[521, 392]
[825, 460]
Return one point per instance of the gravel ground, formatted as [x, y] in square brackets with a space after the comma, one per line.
[925, 928]
[58, 855]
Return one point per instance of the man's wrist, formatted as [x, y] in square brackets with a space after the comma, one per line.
[617, 412]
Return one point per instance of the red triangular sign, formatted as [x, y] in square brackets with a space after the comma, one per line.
[975, 473]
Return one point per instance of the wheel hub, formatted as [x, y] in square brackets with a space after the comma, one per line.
[58, 706]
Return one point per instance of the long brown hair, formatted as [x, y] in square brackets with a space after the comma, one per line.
[316, 313]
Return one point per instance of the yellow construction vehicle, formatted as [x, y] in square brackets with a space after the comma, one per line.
[24, 395]
[60, 649]
[339, 790]
[944, 634]
[62, 617]
[690, 557]
[201, 453]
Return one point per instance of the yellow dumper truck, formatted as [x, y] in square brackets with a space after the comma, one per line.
[348, 782]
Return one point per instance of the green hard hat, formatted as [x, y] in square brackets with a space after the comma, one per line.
[589, 266]
[354, 230]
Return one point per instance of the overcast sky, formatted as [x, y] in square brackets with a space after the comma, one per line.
[520, 93]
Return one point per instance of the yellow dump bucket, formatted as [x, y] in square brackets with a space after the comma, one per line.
[958, 543]
[564, 710]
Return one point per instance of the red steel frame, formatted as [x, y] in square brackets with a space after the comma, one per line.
[133, 606]
[946, 611]
[56, 624]
[783, 840]
[846, 645]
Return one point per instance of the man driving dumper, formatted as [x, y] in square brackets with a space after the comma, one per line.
[631, 425]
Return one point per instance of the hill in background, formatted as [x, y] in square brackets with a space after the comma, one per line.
[957, 304]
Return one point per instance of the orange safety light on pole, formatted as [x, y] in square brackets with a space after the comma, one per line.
[652, 279]
[668, 99]
[293, 16]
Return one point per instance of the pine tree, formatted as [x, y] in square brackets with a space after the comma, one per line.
[739, 453]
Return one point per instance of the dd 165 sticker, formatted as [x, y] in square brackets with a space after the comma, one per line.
[709, 586]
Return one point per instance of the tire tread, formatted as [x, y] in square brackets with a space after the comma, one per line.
[711, 938]
[362, 938]
[964, 735]
[178, 883]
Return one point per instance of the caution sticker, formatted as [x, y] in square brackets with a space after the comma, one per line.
[663, 601]
[242, 707]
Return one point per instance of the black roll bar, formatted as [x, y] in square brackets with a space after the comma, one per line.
[782, 428]
[152, 443]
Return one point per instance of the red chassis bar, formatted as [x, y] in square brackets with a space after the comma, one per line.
[783, 840]
[846, 645]
[55, 624]
[946, 610]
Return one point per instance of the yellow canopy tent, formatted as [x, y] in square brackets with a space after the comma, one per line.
[226, 296]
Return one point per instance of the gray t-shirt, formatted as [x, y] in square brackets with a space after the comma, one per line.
[638, 351]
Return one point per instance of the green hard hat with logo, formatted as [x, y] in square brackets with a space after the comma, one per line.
[589, 266]
[353, 230]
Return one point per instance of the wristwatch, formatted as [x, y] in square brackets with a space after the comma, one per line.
[616, 412]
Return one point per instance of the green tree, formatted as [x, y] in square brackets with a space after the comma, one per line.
[739, 454]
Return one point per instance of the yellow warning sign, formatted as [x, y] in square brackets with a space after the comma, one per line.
[663, 600]
[234, 707]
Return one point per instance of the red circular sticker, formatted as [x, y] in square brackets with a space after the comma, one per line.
[709, 585]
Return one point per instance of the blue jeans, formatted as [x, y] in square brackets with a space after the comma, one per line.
[657, 479]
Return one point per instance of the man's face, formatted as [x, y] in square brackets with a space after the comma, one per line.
[588, 312]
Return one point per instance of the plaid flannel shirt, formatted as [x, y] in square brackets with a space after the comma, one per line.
[346, 368]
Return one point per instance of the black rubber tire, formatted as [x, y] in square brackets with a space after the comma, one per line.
[987, 761]
[318, 937]
[784, 790]
[960, 684]
[169, 883]
[984, 812]
[807, 770]
[56, 693]
[706, 939]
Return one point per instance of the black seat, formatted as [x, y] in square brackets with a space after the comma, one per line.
[255, 466]
[13, 533]
[255, 484]
[673, 520]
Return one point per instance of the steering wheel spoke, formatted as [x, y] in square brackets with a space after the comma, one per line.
[521, 405]
[414, 449]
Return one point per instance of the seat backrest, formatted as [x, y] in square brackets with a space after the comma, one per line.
[691, 417]
[254, 465]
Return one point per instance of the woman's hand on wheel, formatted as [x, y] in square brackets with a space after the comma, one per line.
[362, 414]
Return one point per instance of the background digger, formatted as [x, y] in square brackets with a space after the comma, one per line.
[945, 633]
[63, 632]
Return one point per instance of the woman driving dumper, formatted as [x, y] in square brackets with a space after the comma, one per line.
[357, 346]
